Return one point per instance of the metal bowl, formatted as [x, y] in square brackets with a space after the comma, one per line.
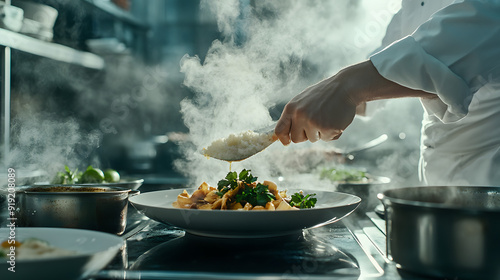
[367, 191]
[444, 231]
[127, 183]
[100, 208]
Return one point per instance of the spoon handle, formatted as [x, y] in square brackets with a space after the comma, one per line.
[268, 129]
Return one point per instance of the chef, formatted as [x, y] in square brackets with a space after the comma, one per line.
[447, 54]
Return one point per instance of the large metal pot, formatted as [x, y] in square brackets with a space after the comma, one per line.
[97, 208]
[445, 231]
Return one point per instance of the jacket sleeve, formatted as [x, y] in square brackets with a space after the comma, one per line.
[453, 54]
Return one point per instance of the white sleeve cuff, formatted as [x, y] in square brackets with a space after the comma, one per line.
[406, 63]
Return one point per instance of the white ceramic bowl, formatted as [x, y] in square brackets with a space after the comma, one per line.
[331, 207]
[94, 250]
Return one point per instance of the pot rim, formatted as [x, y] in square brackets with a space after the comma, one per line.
[107, 189]
[388, 198]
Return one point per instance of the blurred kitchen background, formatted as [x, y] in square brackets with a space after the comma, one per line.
[127, 114]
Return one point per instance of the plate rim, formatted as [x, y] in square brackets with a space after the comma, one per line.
[133, 198]
[116, 246]
[170, 215]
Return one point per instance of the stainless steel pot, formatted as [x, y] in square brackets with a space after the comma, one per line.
[444, 231]
[97, 208]
[366, 191]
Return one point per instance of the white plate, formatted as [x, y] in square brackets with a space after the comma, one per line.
[331, 207]
[94, 251]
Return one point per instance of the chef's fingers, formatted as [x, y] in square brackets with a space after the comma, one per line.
[312, 135]
[283, 128]
[298, 134]
[337, 136]
[329, 135]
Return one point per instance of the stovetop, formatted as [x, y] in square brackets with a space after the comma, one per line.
[352, 248]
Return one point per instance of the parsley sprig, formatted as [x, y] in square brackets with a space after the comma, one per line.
[231, 181]
[259, 195]
[302, 202]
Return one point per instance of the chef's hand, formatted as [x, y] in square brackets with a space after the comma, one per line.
[324, 110]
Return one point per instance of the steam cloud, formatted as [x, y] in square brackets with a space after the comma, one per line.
[271, 51]
[122, 105]
[44, 141]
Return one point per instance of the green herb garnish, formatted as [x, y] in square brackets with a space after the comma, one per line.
[259, 195]
[231, 181]
[302, 202]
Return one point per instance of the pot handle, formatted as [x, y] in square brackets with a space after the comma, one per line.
[134, 192]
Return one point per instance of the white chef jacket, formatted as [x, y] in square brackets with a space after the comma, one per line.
[451, 49]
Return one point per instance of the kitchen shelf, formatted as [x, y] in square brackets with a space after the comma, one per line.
[12, 40]
[112, 10]
[50, 50]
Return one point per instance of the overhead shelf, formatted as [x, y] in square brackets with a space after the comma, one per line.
[50, 50]
[112, 10]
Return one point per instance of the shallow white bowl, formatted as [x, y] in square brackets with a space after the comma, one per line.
[94, 251]
[331, 207]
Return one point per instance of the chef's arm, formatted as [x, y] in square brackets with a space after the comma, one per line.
[450, 56]
[391, 90]
[324, 110]
[453, 54]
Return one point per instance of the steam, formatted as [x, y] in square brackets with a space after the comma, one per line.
[270, 51]
[124, 104]
[44, 142]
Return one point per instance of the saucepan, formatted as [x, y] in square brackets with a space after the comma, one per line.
[444, 231]
[101, 208]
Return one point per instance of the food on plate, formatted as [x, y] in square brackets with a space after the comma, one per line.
[89, 176]
[340, 175]
[239, 146]
[243, 192]
[31, 248]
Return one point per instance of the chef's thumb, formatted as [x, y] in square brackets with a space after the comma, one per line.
[282, 130]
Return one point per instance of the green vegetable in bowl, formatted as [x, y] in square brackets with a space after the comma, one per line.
[91, 175]
[67, 177]
[344, 175]
[111, 176]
